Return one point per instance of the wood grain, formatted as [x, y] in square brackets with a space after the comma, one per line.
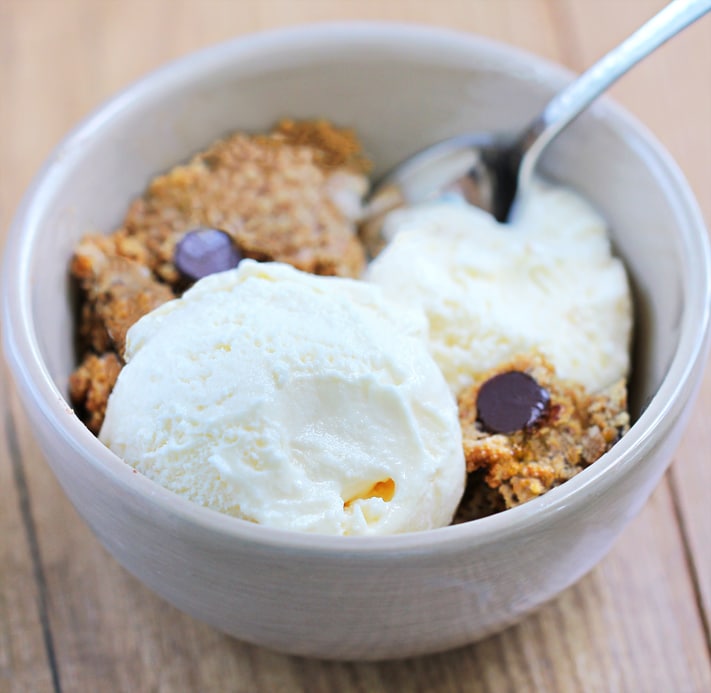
[636, 623]
[24, 661]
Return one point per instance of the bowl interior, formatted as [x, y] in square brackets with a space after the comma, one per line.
[399, 95]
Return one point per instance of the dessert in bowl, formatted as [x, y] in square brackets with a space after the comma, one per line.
[393, 595]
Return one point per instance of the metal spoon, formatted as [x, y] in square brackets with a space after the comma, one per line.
[493, 170]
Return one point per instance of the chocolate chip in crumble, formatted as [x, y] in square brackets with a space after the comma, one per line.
[205, 251]
[511, 402]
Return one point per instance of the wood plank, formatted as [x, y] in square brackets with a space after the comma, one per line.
[526, 24]
[24, 632]
[631, 625]
[691, 480]
[24, 662]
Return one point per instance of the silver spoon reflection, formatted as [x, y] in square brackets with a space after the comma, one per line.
[494, 170]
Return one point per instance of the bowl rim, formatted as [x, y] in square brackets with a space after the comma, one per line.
[37, 388]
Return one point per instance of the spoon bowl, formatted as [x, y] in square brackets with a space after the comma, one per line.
[493, 170]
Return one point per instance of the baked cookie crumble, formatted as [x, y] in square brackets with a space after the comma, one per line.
[576, 430]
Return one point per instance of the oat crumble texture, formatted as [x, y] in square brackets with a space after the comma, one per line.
[578, 429]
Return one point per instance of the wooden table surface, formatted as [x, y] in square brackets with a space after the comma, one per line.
[72, 620]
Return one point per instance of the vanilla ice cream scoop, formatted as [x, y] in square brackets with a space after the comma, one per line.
[546, 282]
[291, 400]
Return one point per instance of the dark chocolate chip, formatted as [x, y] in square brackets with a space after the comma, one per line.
[511, 402]
[205, 251]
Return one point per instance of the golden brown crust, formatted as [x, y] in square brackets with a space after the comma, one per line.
[578, 428]
[272, 193]
[116, 292]
[90, 386]
[333, 148]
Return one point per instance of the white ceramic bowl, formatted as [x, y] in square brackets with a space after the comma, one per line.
[401, 88]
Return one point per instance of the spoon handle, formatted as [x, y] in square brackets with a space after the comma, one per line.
[577, 96]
